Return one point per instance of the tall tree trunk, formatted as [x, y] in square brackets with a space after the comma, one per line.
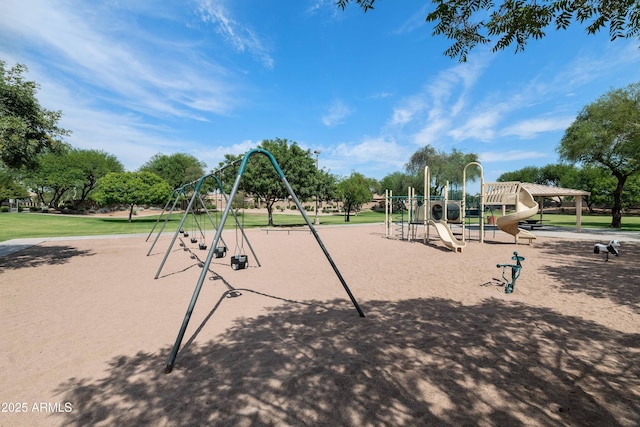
[616, 212]
[130, 212]
[270, 213]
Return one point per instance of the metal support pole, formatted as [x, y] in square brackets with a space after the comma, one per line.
[165, 222]
[175, 235]
[203, 275]
[163, 211]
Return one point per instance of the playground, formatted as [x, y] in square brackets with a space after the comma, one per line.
[87, 331]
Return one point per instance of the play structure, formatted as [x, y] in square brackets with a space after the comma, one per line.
[240, 258]
[440, 212]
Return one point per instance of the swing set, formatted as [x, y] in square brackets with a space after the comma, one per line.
[239, 259]
[189, 221]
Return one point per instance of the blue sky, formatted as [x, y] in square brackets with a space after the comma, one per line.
[210, 77]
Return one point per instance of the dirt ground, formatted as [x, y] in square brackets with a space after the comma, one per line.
[87, 332]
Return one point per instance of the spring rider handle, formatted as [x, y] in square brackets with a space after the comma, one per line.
[515, 272]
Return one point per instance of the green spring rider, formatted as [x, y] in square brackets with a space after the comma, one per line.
[515, 272]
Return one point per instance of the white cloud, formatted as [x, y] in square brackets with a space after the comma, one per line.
[241, 37]
[336, 114]
[440, 104]
[381, 95]
[212, 156]
[373, 157]
[431, 133]
[145, 73]
[480, 126]
[528, 129]
[510, 156]
[414, 22]
[409, 108]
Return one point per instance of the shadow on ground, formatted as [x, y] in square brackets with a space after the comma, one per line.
[35, 256]
[411, 362]
[577, 269]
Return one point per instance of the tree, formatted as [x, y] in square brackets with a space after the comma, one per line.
[527, 174]
[10, 188]
[470, 23]
[558, 175]
[443, 167]
[131, 188]
[26, 129]
[53, 177]
[93, 165]
[598, 181]
[398, 182]
[260, 178]
[69, 175]
[177, 169]
[354, 191]
[607, 133]
[326, 186]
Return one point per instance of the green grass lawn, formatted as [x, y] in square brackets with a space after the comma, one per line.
[24, 225]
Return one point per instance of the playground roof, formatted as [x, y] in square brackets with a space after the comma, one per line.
[539, 190]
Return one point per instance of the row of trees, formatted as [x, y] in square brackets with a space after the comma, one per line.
[604, 141]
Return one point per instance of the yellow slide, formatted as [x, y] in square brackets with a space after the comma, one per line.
[526, 207]
[447, 237]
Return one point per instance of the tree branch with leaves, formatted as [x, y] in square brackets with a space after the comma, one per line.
[472, 23]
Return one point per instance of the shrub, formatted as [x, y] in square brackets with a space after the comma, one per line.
[4, 209]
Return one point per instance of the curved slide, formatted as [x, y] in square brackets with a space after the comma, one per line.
[525, 208]
[447, 237]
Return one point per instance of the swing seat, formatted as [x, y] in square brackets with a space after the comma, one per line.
[220, 252]
[239, 262]
[194, 240]
[202, 246]
[185, 233]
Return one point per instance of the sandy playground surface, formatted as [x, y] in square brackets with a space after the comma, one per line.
[87, 330]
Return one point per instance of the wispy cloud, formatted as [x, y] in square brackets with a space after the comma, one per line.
[95, 48]
[336, 115]
[415, 21]
[372, 156]
[480, 126]
[431, 113]
[241, 37]
[381, 95]
[510, 156]
[531, 128]
[407, 110]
